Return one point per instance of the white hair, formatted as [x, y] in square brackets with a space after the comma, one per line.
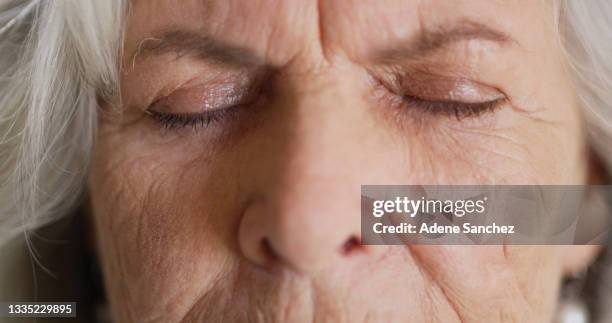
[586, 30]
[57, 58]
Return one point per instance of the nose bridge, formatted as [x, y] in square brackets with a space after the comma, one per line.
[326, 151]
[326, 113]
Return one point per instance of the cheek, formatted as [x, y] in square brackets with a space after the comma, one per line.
[515, 148]
[518, 283]
[158, 239]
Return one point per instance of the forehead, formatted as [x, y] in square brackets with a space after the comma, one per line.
[280, 29]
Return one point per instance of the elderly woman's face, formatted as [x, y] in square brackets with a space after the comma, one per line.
[226, 177]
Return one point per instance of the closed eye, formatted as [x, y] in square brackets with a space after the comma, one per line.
[457, 109]
[203, 106]
[176, 121]
[437, 96]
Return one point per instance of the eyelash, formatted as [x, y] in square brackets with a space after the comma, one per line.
[177, 121]
[459, 110]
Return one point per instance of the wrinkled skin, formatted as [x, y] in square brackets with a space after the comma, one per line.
[252, 216]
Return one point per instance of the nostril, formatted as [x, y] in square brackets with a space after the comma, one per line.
[351, 245]
[269, 252]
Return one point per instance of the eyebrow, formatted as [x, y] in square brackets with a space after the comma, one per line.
[432, 40]
[202, 46]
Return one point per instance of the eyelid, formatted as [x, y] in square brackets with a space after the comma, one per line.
[471, 92]
[426, 95]
[206, 104]
[443, 88]
[200, 98]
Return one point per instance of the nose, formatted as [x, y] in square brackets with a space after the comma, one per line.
[306, 229]
[308, 217]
